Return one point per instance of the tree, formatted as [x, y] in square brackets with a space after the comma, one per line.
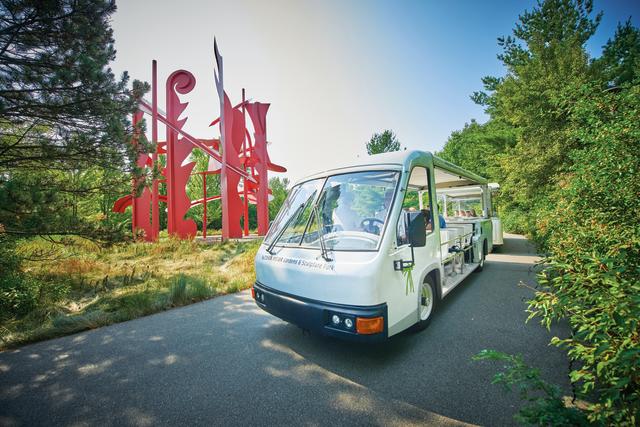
[570, 179]
[593, 236]
[62, 113]
[620, 61]
[383, 143]
[279, 190]
[546, 67]
[478, 147]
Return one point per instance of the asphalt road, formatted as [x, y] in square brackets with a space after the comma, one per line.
[225, 362]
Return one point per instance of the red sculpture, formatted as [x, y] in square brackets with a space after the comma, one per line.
[140, 207]
[258, 114]
[242, 165]
[178, 173]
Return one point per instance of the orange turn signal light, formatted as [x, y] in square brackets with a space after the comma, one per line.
[369, 325]
[253, 293]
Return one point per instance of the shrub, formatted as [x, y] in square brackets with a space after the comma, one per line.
[593, 236]
[18, 295]
[18, 292]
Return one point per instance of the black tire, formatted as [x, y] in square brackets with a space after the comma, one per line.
[483, 256]
[429, 287]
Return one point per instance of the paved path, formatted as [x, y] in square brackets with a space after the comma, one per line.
[224, 362]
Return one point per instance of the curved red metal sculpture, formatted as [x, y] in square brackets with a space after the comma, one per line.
[243, 165]
[178, 151]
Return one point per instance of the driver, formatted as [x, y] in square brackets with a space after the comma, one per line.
[372, 225]
[381, 213]
[388, 196]
[343, 215]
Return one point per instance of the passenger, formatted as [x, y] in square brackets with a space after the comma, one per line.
[427, 218]
[473, 213]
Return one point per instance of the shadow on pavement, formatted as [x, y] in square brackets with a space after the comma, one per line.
[225, 361]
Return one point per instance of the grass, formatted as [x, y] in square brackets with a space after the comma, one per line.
[86, 287]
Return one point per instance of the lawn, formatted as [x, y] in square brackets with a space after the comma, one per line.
[82, 286]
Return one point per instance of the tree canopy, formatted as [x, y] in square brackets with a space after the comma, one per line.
[562, 140]
[64, 131]
[383, 143]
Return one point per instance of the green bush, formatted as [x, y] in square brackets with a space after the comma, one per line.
[592, 233]
[18, 293]
[571, 181]
[515, 221]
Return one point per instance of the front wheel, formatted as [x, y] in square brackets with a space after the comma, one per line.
[427, 303]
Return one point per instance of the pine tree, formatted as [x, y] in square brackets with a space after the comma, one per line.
[383, 143]
[62, 113]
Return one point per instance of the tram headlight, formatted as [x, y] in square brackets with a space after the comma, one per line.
[335, 319]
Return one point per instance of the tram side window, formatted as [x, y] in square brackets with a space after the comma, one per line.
[416, 198]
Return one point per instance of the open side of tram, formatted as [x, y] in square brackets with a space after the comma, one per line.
[470, 204]
[368, 250]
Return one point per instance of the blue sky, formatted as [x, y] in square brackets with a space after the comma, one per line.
[334, 71]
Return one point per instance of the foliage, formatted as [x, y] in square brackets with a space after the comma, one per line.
[570, 180]
[54, 202]
[64, 132]
[278, 186]
[195, 192]
[61, 105]
[279, 190]
[478, 147]
[18, 295]
[545, 401]
[81, 285]
[187, 289]
[546, 62]
[620, 61]
[383, 143]
[592, 274]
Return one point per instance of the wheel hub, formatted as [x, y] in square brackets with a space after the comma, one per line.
[426, 302]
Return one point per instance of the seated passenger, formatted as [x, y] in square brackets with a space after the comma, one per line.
[473, 213]
[427, 218]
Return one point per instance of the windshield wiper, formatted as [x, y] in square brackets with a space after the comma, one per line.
[284, 227]
[323, 248]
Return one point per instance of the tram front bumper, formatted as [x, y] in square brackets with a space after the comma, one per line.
[351, 322]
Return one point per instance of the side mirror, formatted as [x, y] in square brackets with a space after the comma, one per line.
[416, 229]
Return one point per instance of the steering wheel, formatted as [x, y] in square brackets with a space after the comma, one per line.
[348, 237]
[368, 225]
